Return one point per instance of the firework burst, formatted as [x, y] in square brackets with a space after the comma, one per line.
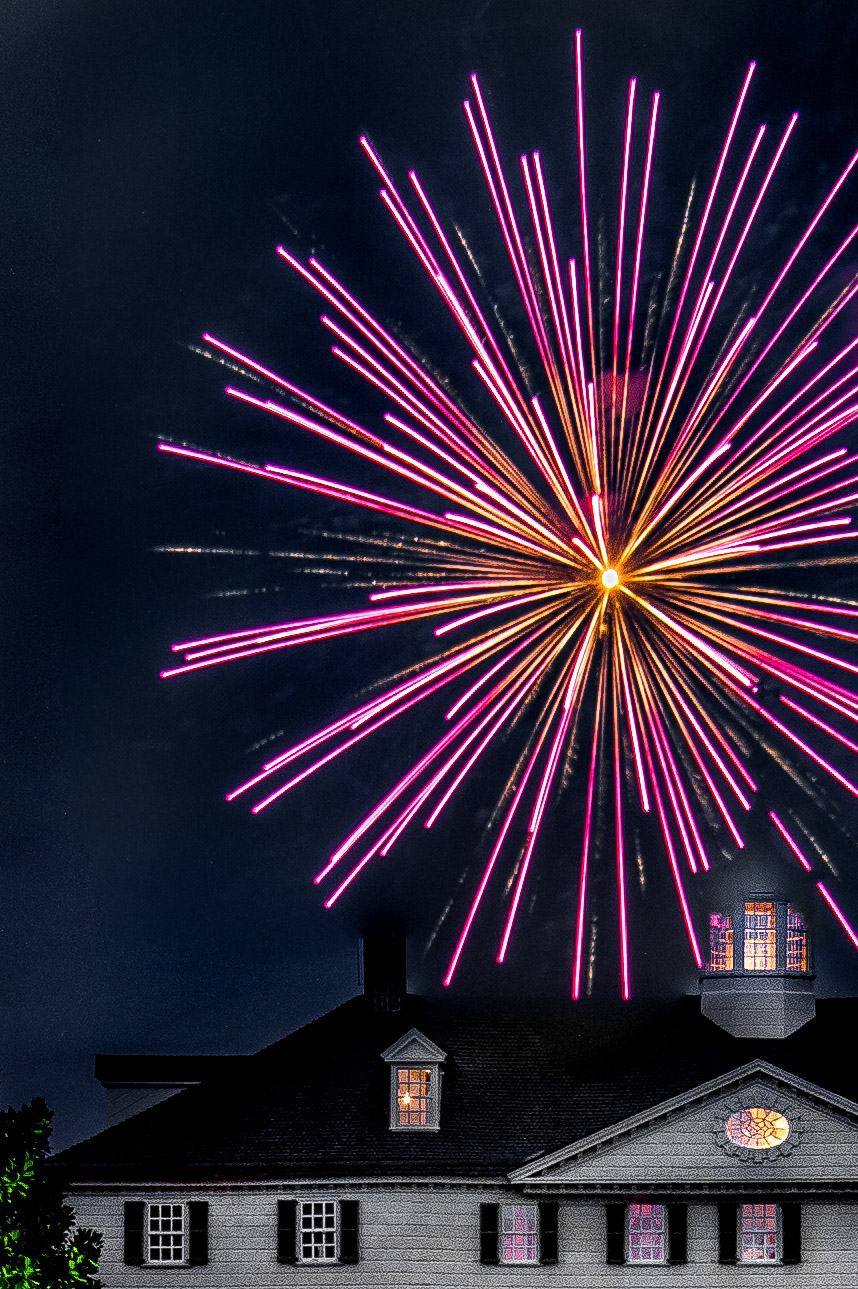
[590, 582]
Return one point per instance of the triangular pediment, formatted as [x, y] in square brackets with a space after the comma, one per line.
[415, 1047]
[683, 1142]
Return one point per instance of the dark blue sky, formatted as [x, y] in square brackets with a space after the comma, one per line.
[154, 155]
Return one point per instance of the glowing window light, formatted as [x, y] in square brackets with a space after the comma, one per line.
[796, 944]
[412, 1097]
[720, 942]
[759, 1233]
[519, 1233]
[757, 1128]
[647, 1233]
[760, 944]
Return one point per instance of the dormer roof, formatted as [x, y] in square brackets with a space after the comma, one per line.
[414, 1048]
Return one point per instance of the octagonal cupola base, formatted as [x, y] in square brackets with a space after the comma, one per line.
[758, 983]
[751, 1007]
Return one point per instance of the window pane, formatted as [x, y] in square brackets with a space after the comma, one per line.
[519, 1233]
[166, 1232]
[759, 935]
[796, 947]
[647, 1233]
[759, 1233]
[319, 1231]
[720, 942]
[412, 1097]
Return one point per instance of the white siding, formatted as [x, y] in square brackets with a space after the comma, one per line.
[429, 1239]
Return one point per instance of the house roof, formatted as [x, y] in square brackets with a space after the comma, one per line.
[518, 1082]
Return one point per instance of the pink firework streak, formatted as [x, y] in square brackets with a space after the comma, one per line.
[589, 586]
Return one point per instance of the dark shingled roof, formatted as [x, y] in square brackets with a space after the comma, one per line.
[518, 1082]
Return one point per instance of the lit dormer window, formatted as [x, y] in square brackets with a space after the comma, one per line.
[415, 1082]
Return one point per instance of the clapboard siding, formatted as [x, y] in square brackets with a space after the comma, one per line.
[429, 1239]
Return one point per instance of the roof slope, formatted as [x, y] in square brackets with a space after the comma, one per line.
[518, 1082]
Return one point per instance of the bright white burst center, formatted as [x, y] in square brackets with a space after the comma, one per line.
[610, 578]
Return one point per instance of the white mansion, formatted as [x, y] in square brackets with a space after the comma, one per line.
[427, 1144]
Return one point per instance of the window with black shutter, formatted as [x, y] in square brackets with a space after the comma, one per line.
[287, 1250]
[677, 1234]
[489, 1234]
[615, 1234]
[349, 1230]
[791, 1233]
[198, 1233]
[727, 1234]
[548, 1251]
[135, 1213]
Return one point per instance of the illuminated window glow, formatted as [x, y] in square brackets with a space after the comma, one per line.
[647, 1234]
[519, 1233]
[412, 1097]
[757, 1129]
[760, 951]
[759, 1238]
[796, 945]
[319, 1231]
[720, 942]
[166, 1232]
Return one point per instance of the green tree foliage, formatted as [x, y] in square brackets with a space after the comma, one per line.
[38, 1247]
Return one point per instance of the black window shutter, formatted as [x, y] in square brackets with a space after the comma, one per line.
[286, 1217]
[548, 1232]
[198, 1233]
[349, 1230]
[135, 1211]
[615, 1234]
[489, 1234]
[677, 1234]
[791, 1237]
[727, 1218]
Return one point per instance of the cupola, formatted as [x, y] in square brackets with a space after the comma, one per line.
[758, 982]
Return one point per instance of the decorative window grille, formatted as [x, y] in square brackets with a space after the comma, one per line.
[166, 1232]
[412, 1097]
[760, 950]
[647, 1233]
[519, 1233]
[759, 1236]
[318, 1234]
[720, 942]
[796, 944]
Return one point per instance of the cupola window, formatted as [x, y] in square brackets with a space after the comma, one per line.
[720, 942]
[796, 943]
[760, 936]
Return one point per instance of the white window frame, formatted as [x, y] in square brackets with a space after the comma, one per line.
[433, 1101]
[665, 1243]
[506, 1212]
[299, 1234]
[740, 1234]
[149, 1233]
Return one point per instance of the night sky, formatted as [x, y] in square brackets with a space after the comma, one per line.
[154, 156]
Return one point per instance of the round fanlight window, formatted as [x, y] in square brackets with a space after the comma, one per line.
[757, 1129]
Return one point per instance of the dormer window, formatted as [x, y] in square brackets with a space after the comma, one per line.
[415, 1083]
[413, 1097]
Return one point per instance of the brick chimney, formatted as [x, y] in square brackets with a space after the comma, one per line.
[384, 978]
